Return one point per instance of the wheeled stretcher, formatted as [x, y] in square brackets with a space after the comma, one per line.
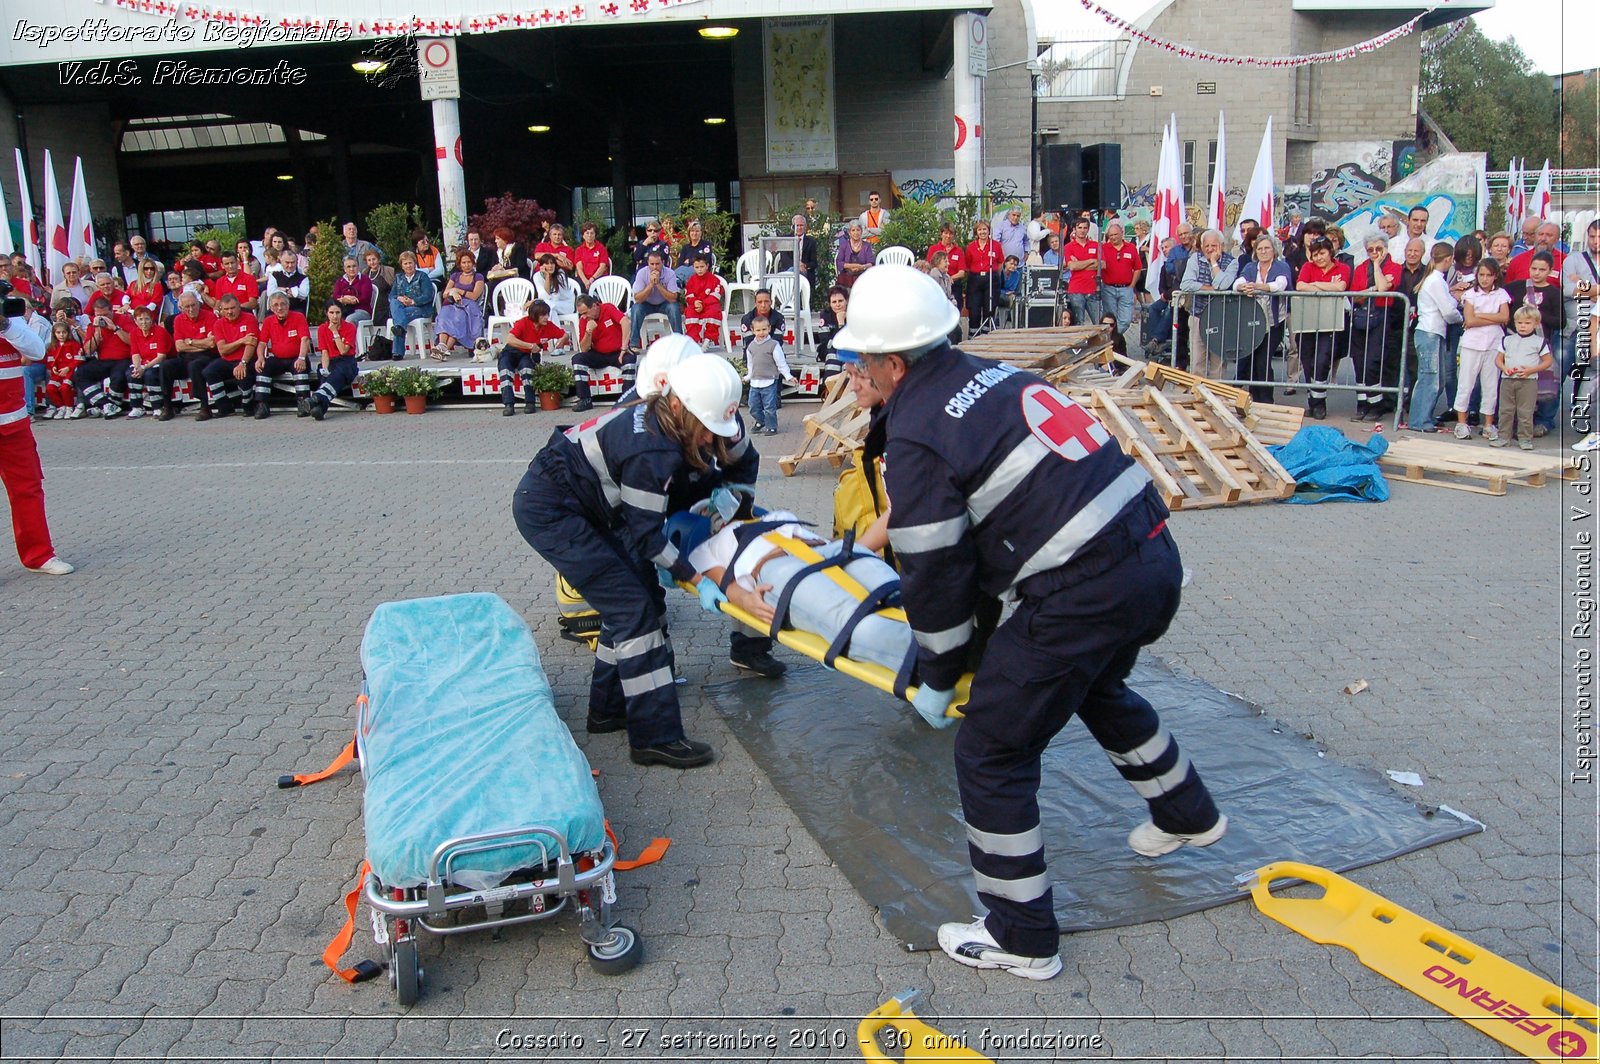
[580, 622]
[480, 811]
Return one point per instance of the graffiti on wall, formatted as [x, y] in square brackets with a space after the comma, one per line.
[923, 189]
[1343, 189]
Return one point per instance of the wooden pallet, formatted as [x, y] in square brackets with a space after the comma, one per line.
[1194, 446]
[1273, 424]
[1474, 467]
[834, 432]
[1041, 350]
[1160, 375]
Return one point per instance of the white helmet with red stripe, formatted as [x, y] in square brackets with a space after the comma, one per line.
[661, 356]
[896, 308]
[709, 387]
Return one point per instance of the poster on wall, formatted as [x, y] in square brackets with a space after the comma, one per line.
[798, 56]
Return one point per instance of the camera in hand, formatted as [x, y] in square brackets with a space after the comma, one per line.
[11, 306]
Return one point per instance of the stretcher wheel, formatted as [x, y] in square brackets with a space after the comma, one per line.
[620, 952]
[406, 972]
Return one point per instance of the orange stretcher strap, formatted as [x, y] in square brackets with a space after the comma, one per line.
[347, 755]
[650, 855]
[365, 969]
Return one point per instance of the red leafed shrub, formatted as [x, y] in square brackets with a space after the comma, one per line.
[521, 216]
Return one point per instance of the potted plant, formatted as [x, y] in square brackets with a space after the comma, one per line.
[379, 383]
[551, 380]
[416, 386]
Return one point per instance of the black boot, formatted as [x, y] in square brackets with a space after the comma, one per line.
[262, 413]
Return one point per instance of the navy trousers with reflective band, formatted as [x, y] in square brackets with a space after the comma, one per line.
[1063, 652]
[281, 367]
[342, 373]
[633, 663]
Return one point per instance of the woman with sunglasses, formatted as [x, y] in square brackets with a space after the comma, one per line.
[652, 241]
[147, 288]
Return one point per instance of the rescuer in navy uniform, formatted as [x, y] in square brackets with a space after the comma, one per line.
[592, 504]
[1001, 485]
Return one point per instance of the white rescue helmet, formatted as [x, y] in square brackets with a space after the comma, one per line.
[896, 308]
[708, 387]
[661, 356]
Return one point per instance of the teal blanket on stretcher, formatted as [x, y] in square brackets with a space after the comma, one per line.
[462, 737]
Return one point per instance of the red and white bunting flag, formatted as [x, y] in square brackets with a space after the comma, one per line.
[55, 227]
[1258, 199]
[30, 227]
[1217, 205]
[1514, 200]
[80, 225]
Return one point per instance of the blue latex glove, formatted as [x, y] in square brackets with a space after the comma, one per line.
[710, 594]
[931, 705]
[666, 578]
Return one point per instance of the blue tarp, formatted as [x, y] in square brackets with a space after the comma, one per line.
[1327, 466]
[463, 738]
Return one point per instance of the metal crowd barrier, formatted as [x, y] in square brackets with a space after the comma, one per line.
[1326, 342]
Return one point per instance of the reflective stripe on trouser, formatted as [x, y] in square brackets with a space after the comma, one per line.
[91, 377]
[220, 381]
[281, 367]
[514, 364]
[1316, 361]
[145, 387]
[342, 372]
[633, 665]
[1028, 688]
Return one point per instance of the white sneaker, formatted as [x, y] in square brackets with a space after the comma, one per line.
[1491, 433]
[110, 410]
[53, 567]
[973, 945]
[1463, 430]
[1150, 841]
[1590, 442]
[79, 412]
[136, 412]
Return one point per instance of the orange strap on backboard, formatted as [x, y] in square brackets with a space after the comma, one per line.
[347, 755]
[650, 855]
[365, 969]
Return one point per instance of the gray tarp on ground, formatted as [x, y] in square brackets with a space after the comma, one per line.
[876, 787]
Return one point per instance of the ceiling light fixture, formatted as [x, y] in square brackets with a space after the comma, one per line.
[719, 33]
[538, 128]
[285, 177]
[715, 120]
[369, 66]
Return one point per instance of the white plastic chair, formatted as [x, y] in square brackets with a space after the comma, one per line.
[794, 305]
[509, 297]
[896, 256]
[748, 269]
[614, 290]
[739, 300]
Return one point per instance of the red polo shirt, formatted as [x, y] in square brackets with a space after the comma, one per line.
[546, 337]
[199, 328]
[148, 345]
[591, 259]
[325, 344]
[1517, 268]
[1084, 280]
[1120, 264]
[240, 284]
[607, 331]
[1336, 271]
[982, 259]
[112, 348]
[228, 332]
[282, 338]
[958, 258]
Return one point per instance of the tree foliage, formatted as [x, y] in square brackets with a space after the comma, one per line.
[390, 226]
[1580, 124]
[1487, 97]
[327, 263]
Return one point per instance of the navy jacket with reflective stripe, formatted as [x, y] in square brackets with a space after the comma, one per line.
[980, 500]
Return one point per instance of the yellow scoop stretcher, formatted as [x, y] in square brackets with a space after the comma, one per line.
[1508, 1003]
[579, 622]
